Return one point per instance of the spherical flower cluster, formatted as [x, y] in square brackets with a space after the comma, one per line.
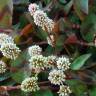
[32, 8]
[30, 85]
[40, 18]
[34, 50]
[4, 38]
[38, 62]
[64, 90]
[10, 50]
[2, 67]
[63, 63]
[56, 77]
[51, 61]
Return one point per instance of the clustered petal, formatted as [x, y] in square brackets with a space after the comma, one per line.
[2, 67]
[34, 50]
[30, 85]
[63, 63]
[8, 47]
[4, 38]
[40, 18]
[49, 25]
[58, 65]
[10, 50]
[38, 62]
[56, 77]
[51, 61]
[32, 8]
[64, 90]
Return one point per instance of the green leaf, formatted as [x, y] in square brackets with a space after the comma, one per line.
[47, 1]
[23, 21]
[20, 1]
[60, 40]
[8, 82]
[20, 76]
[80, 61]
[89, 77]
[41, 34]
[49, 50]
[88, 27]
[81, 8]
[79, 88]
[5, 76]
[84, 6]
[62, 1]
[92, 92]
[44, 93]
[68, 7]
[18, 62]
